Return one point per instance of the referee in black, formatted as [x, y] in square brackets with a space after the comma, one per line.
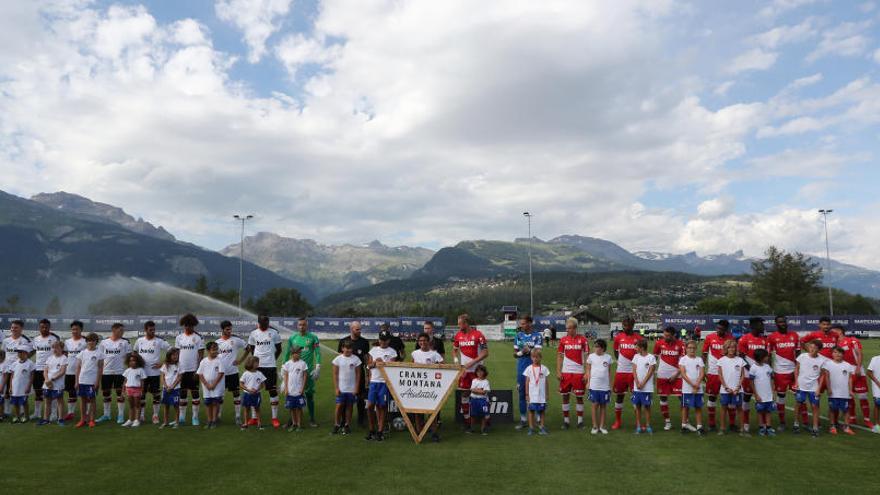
[360, 347]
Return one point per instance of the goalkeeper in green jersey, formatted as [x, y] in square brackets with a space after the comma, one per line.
[311, 355]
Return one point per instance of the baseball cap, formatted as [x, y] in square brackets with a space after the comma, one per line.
[384, 335]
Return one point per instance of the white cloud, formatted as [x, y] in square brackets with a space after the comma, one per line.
[847, 39]
[296, 50]
[779, 7]
[723, 88]
[715, 208]
[753, 59]
[783, 35]
[257, 19]
[803, 82]
[877, 55]
[803, 163]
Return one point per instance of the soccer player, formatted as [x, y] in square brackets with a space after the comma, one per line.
[852, 354]
[311, 355]
[115, 348]
[838, 374]
[294, 374]
[210, 373]
[598, 375]
[72, 347]
[644, 367]
[232, 351]
[874, 376]
[713, 350]
[748, 344]
[570, 357]
[134, 376]
[469, 348]
[21, 374]
[732, 372]
[761, 378]
[151, 349]
[785, 347]
[825, 336]
[11, 343]
[265, 344]
[693, 372]
[42, 345]
[347, 377]
[360, 346]
[808, 379]
[90, 365]
[53, 383]
[669, 350]
[536, 392]
[377, 397]
[525, 340]
[192, 350]
[624, 350]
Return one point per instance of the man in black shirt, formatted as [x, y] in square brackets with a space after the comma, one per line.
[360, 347]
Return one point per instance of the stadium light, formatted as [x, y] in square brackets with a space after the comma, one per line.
[242, 219]
[531, 285]
[825, 214]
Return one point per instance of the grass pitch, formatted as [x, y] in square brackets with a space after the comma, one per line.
[226, 460]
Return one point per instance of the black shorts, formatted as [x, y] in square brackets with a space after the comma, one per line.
[189, 381]
[39, 379]
[232, 383]
[109, 382]
[271, 375]
[151, 385]
[70, 385]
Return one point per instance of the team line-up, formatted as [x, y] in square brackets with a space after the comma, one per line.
[729, 373]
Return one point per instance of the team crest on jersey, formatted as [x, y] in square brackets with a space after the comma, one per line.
[605, 363]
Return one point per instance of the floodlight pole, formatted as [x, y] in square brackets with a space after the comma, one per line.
[531, 284]
[242, 219]
[825, 214]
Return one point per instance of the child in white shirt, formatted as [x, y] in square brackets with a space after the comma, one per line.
[693, 372]
[874, 375]
[346, 381]
[170, 376]
[644, 369]
[761, 375]
[597, 374]
[21, 381]
[807, 378]
[252, 381]
[840, 376]
[211, 372]
[134, 377]
[53, 382]
[480, 399]
[536, 392]
[731, 372]
[295, 374]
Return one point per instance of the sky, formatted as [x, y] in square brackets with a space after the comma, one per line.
[661, 125]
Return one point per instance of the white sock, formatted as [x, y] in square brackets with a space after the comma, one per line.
[155, 409]
[523, 418]
[107, 408]
[141, 415]
[195, 408]
[120, 407]
[182, 416]
[274, 404]
[7, 408]
[220, 411]
[38, 408]
[71, 407]
[579, 408]
[238, 409]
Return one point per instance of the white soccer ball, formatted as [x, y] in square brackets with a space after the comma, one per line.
[398, 424]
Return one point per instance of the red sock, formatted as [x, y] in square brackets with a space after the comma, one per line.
[731, 413]
[664, 408]
[780, 408]
[866, 409]
[851, 410]
[712, 416]
[802, 409]
[617, 414]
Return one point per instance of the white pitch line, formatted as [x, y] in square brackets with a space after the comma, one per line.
[827, 419]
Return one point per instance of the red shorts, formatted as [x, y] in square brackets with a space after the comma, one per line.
[713, 385]
[747, 387]
[784, 382]
[622, 382]
[133, 391]
[860, 384]
[669, 386]
[464, 382]
[572, 383]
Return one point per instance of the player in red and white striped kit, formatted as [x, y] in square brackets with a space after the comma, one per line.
[784, 346]
[852, 354]
[570, 358]
[624, 350]
[713, 349]
[469, 348]
[748, 344]
[669, 350]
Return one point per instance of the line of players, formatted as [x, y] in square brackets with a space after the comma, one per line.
[733, 371]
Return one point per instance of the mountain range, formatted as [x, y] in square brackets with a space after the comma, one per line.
[54, 237]
[50, 250]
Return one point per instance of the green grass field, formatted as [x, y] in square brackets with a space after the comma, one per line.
[225, 460]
